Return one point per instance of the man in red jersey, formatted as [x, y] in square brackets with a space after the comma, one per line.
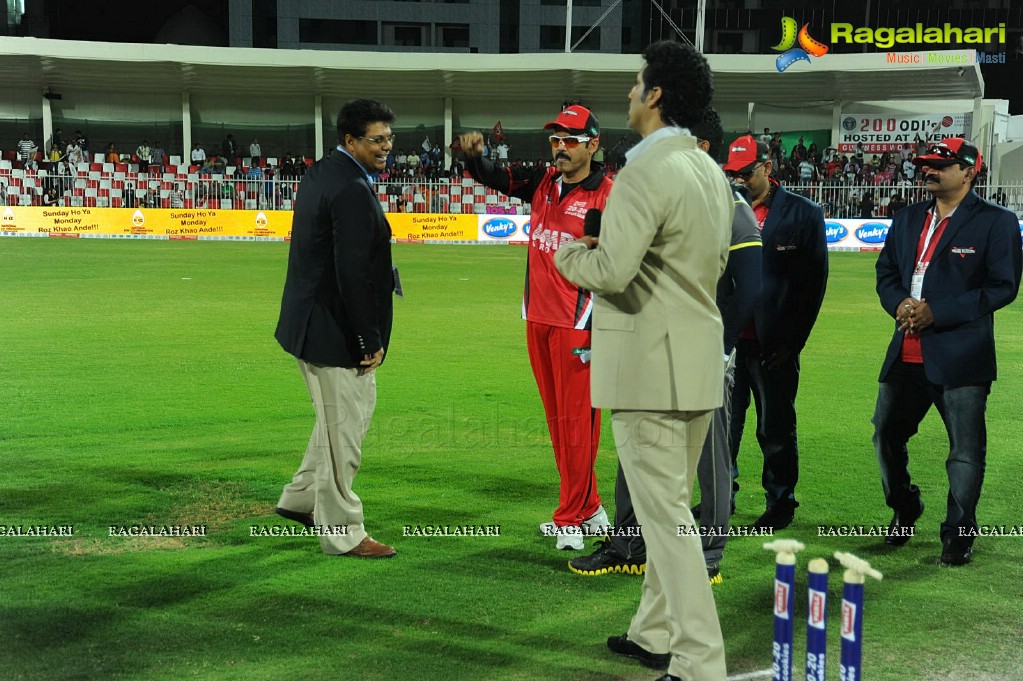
[557, 312]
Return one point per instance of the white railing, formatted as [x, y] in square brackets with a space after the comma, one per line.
[89, 187]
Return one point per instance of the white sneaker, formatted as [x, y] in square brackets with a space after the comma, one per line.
[570, 538]
[597, 524]
[548, 529]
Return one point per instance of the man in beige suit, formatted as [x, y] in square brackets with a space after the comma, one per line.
[657, 348]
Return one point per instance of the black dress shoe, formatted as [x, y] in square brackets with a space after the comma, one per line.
[300, 518]
[955, 555]
[777, 517]
[670, 677]
[621, 645]
[901, 529]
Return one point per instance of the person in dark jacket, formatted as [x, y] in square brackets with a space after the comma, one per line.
[795, 275]
[946, 266]
[335, 319]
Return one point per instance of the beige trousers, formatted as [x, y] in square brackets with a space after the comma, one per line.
[659, 452]
[322, 485]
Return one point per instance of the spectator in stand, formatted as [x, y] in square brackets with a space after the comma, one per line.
[112, 155]
[198, 156]
[806, 171]
[288, 166]
[229, 149]
[457, 169]
[255, 152]
[812, 153]
[51, 197]
[767, 137]
[400, 160]
[867, 205]
[1000, 198]
[58, 139]
[177, 196]
[412, 163]
[64, 172]
[83, 142]
[145, 154]
[777, 150]
[27, 152]
[834, 168]
[798, 151]
[852, 169]
[73, 152]
[895, 204]
[905, 153]
[157, 154]
[921, 145]
[859, 154]
[502, 153]
[909, 169]
[55, 153]
[300, 166]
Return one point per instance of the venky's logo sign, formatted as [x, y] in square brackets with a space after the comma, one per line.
[808, 47]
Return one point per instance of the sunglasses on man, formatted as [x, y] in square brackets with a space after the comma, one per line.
[570, 141]
[743, 175]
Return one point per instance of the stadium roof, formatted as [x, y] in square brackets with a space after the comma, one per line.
[31, 63]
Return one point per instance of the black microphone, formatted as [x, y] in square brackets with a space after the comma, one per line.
[591, 222]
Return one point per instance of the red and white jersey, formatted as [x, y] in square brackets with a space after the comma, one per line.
[554, 221]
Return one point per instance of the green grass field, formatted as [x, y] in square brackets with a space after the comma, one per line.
[140, 383]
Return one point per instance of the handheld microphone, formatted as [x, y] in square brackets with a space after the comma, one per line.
[591, 222]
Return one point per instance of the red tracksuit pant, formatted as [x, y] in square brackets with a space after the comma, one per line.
[564, 384]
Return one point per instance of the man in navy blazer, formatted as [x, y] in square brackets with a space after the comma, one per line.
[946, 266]
[794, 277]
[335, 319]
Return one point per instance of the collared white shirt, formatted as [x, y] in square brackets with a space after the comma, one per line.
[369, 178]
[659, 134]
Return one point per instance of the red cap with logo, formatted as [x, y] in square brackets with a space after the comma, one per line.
[577, 120]
[949, 151]
[745, 153]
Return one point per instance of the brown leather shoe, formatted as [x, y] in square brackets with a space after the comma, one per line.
[371, 548]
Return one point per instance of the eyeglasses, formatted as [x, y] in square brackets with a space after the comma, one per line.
[744, 175]
[570, 141]
[379, 140]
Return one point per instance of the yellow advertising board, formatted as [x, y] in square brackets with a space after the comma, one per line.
[433, 227]
[208, 224]
[163, 223]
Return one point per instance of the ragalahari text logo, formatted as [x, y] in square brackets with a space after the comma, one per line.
[808, 47]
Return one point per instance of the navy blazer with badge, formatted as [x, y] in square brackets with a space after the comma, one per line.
[974, 271]
[337, 304]
[795, 272]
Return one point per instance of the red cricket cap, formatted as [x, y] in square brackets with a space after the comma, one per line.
[746, 152]
[948, 151]
[577, 120]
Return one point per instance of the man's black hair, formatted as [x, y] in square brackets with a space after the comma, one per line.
[685, 80]
[357, 115]
[709, 128]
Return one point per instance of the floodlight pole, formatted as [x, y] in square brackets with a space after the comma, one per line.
[568, 26]
[701, 22]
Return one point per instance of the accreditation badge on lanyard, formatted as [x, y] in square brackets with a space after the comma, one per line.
[929, 239]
